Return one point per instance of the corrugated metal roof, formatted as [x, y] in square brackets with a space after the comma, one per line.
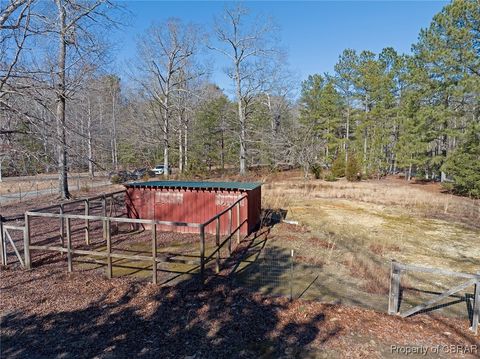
[246, 186]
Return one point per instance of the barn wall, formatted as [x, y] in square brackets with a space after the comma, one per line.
[194, 206]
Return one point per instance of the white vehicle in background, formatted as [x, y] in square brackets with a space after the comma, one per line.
[160, 169]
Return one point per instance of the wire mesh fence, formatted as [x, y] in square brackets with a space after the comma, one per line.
[270, 271]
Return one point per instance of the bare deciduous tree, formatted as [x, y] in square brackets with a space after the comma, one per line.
[248, 44]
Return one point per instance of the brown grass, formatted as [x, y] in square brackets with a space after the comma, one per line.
[423, 200]
[375, 277]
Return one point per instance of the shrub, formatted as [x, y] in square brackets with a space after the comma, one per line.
[116, 179]
[330, 177]
[353, 171]
[316, 170]
[338, 166]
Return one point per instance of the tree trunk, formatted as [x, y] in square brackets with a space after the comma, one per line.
[185, 146]
[166, 114]
[114, 133]
[180, 146]
[241, 118]
[222, 151]
[91, 169]
[60, 112]
[347, 135]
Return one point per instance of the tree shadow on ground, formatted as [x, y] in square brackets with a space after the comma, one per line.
[216, 320]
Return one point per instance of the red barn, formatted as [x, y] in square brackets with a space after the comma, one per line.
[195, 202]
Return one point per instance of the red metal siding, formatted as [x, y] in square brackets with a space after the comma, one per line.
[194, 206]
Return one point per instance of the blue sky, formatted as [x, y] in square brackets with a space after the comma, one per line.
[314, 33]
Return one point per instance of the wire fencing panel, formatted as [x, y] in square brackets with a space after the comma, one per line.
[271, 272]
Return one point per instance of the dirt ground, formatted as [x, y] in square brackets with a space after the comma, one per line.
[48, 313]
[339, 276]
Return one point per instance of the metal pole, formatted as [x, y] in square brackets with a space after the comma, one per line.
[26, 243]
[154, 253]
[217, 242]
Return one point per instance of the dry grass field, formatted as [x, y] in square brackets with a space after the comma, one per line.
[348, 233]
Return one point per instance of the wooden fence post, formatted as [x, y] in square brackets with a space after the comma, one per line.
[154, 253]
[3, 245]
[104, 214]
[87, 222]
[62, 226]
[476, 306]
[394, 296]
[202, 253]
[238, 223]
[217, 242]
[69, 245]
[230, 232]
[109, 247]
[26, 243]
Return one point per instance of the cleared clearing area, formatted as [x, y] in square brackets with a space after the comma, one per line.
[349, 232]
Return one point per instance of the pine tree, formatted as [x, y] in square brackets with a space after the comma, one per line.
[463, 164]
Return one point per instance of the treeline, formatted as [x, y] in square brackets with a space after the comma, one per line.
[414, 113]
[376, 114]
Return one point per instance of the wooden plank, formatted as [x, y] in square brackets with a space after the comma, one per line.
[438, 298]
[114, 219]
[109, 248]
[62, 225]
[230, 232]
[87, 221]
[445, 272]
[217, 243]
[3, 252]
[14, 228]
[17, 253]
[69, 245]
[238, 222]
[104, 214]
[74, 202]
[202, 254]
[394, 294]
[26, 243]
[476, 308]
[154, 253]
